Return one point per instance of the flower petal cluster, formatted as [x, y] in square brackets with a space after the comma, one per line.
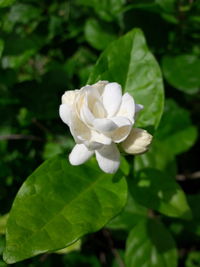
[99, 118]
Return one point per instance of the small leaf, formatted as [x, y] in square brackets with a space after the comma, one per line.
[155, 190]
[1, 47]
[58, 204]
[176, 130]
[129, 62]
[14, 62]
[151, 245]
[3, 222]
[107, 10]
[182, 72]
[167, 5]
[96, 35]
[193, 259]
[5, 3]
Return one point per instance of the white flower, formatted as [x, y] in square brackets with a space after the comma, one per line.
[99, 117]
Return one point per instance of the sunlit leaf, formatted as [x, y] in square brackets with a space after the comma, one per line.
[58, 204]
[129, 62]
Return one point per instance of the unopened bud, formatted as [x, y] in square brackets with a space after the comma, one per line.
[137, 142]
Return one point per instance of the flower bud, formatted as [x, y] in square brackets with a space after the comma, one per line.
[137, 142]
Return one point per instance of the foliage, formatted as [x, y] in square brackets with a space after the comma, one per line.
[148, 212]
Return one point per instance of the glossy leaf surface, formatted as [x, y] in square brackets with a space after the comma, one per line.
[129, 62]
[58, 204]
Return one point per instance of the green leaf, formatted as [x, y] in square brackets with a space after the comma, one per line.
[58, 204]
[3, 222]
[5, 3]
[76, 246]
[23, 13]
[96, 35]
[176, 130]
[129, 62]
[151, 245]
[194, 225]
[182, 72]
[167, 5]
[130, 215]
[107, 10]
[14, 62]
[155, 190]
[158, 157]
[193, 259]
[175, 135]
[1, 47]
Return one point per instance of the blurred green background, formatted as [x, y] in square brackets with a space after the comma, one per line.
[47, 47]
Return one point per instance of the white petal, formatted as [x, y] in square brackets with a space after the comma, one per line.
[85, 113]
[65, 113]
[98, 110]
[68, 97]
[108, 158]
[78, 129]
[122, 130]
[127, 108]
[100, 138]
[112, 97]
[104, 125]
[80, 154]
[99, 86]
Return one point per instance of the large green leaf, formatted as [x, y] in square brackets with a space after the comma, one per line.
[155, 190]
[129, 62]
[58, 204]
[182, 72]
[176, 130]
[150, 244]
